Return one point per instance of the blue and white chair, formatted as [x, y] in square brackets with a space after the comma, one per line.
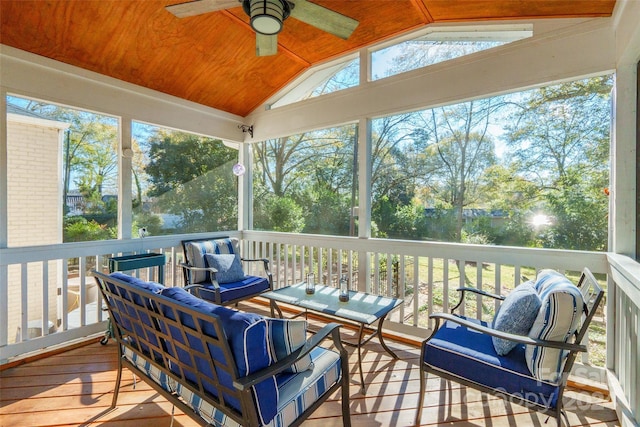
[213, 270]
[526, 354]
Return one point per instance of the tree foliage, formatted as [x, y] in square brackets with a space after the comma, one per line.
[314, 172]
[191, 178]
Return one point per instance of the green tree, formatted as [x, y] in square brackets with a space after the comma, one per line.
[399, 168]
[280, 214]
[191, 177]
[79, 229]
[461, 150]
[559, 140]
[315, 170]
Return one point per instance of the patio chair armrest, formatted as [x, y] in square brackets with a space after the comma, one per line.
[200, 285]
[332, 329]
[192, 268]
[474, 291]
[265, 262]
[505, 335]
[481, 292]
[255, 260]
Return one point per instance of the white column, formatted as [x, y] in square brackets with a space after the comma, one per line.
[4, 167]
[125, 161]
[4, 211]
[245, 188]
[623, 161]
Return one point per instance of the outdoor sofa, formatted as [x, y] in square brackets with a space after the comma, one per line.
[221, 366]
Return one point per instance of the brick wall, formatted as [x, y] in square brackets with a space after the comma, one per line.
[34, 212]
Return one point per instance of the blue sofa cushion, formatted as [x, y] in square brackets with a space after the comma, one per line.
[245, 288]
[246, 333]
[142, 362]
[470, 354]
[284, 337]
[228, 266]
[297, 392]
[195, 251]
[143, 284]
[516, 315]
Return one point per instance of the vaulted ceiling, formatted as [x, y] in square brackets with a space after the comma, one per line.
[210, 58]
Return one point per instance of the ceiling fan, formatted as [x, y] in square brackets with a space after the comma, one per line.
[267, 17]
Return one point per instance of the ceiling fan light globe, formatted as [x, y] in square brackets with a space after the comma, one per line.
[267, 15]
[265, 24]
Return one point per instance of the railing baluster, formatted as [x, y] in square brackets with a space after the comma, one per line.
[44, 324]
[498, 287]
[375, 286]
[416, 289]
[430, 291]
[24, 302]
[445, 285]
[400, 287]
[82, 290]
[462, 282]
[479, 301]
[63, 295]
[319, 270]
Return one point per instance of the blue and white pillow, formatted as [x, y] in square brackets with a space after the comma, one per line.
[558, 319]
[228, 266]
[547, 277]
[516, 315]
[196, 250]
[286, 336]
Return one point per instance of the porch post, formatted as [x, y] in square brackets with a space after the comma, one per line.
[245, 188]
[624, 162]
[125, 162]
[4, 212]
[364, 199]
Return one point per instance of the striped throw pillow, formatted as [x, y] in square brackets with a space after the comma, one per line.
[285, 336]
[559, 317]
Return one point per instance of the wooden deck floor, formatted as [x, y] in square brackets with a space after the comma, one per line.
[75, 388]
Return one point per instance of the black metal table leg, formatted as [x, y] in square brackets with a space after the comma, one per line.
[381, 338]
[360, 333]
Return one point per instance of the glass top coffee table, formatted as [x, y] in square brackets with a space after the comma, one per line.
[363, 309]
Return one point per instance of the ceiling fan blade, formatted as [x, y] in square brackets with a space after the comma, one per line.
[198, 7]
[266, 45]
[324, 19]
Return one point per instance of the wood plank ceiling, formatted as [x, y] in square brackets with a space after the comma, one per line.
[210, 59]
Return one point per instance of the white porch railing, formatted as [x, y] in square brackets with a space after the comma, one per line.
[48, 298]
[424, 274]
[623, 343]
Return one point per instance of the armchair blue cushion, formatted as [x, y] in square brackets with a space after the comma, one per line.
[470, 354]
[228, 292]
